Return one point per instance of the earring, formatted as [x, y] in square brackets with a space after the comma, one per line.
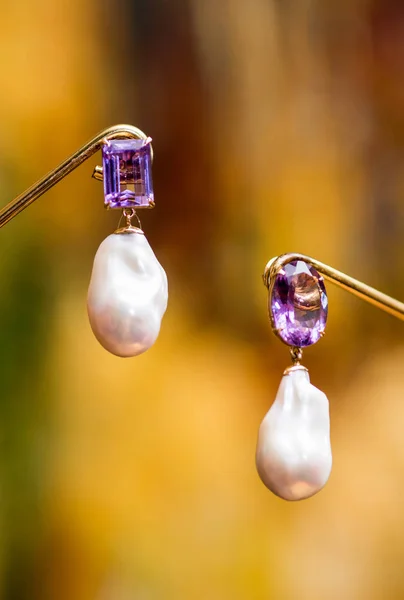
[293, 454]
[127, 296]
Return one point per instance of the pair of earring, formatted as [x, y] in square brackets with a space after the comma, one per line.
[127, 299]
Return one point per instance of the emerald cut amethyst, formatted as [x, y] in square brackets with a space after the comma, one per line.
[127, 174]
[299, 304]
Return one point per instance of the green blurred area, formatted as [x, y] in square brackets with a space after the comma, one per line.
[276, 127]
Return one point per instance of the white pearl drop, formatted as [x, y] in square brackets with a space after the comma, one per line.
[294, 452]
[127, 296]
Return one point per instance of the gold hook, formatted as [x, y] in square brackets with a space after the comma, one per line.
[13, 208]
[354, 286]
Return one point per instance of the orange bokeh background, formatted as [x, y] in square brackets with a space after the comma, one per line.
[276, 127]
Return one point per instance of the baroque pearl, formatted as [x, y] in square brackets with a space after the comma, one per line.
[294, 452]
[127, 296]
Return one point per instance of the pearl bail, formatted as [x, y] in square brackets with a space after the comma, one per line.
[129, 214]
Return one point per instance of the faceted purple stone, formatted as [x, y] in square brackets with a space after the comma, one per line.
[299, 304]
[127, 174]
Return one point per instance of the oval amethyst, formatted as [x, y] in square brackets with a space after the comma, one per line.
[298, 304]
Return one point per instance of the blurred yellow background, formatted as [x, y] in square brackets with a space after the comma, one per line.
[276, 127]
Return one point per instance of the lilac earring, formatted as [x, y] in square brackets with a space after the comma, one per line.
[127, 296]
[293, 455]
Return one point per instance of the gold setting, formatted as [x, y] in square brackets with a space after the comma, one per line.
[129, 229]
[294, 368]
[21, 202]
[272, 269]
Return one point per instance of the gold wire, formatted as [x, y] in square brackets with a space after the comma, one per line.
[354, 286]
[13, 208]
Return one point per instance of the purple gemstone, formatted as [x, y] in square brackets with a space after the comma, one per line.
[299, 304]
[127, 174]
